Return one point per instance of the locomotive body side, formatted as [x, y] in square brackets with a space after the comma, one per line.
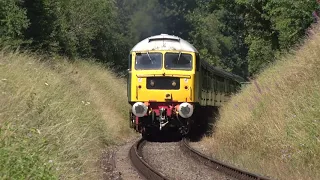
[216, 85]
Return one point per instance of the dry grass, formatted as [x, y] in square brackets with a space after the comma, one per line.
[56, 118]
[273, 126]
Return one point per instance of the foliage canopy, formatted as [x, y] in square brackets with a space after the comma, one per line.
[242, 36]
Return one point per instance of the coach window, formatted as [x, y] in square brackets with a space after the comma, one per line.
[228, 86]
[222, 85]
[212, 81]
[178, 61]
[209, 81]
[225, 86]
[148, 61]
[204, 79]
[216, 84]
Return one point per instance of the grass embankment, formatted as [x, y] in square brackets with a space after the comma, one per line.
[273, 126]
[57, 117]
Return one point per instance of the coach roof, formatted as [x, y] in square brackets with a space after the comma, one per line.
[164, 42]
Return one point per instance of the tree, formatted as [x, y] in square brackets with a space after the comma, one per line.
[13, 23]
[273, 26]
[219, 33]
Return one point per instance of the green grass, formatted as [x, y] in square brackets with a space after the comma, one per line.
[57, 117]
[273, 126]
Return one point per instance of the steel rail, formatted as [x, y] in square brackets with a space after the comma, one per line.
[141, 165]
[218, 165]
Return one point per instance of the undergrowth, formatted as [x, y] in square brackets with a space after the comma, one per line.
[57, 117]
[273, 126]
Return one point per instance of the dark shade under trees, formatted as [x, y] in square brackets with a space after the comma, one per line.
[241, 36]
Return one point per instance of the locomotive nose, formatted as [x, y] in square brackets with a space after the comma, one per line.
[185, 110]
[139, 109]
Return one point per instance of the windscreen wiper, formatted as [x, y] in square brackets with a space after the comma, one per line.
[149, 57]
[179, 57]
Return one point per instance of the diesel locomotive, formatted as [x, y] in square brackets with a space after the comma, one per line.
[168, 82]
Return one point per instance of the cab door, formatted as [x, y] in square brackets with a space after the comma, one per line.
[129, 77]
[198, 80]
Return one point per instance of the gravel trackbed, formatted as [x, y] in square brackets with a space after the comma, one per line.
[169, 160]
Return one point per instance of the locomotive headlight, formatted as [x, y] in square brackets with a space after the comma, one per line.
[174, 83]
[185, 110]
[152, 83]
[139, 109]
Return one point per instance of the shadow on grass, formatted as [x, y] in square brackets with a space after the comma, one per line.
[204, 123]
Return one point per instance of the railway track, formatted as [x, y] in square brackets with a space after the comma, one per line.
[218, 165]
[141, 165]
[150, 172]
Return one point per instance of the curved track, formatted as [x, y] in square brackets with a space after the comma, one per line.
[218, 165]
[141, 165]
[149, 172]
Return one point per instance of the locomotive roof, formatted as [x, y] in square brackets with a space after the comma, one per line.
[164, 42]
[170, 42]
[222, 72]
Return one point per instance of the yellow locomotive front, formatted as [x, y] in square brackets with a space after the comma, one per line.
[162, 76]
[162, 83]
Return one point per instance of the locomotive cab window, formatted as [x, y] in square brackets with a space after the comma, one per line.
[178, 61]
[148, 61]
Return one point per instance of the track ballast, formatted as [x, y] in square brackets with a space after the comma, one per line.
[150, 172]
